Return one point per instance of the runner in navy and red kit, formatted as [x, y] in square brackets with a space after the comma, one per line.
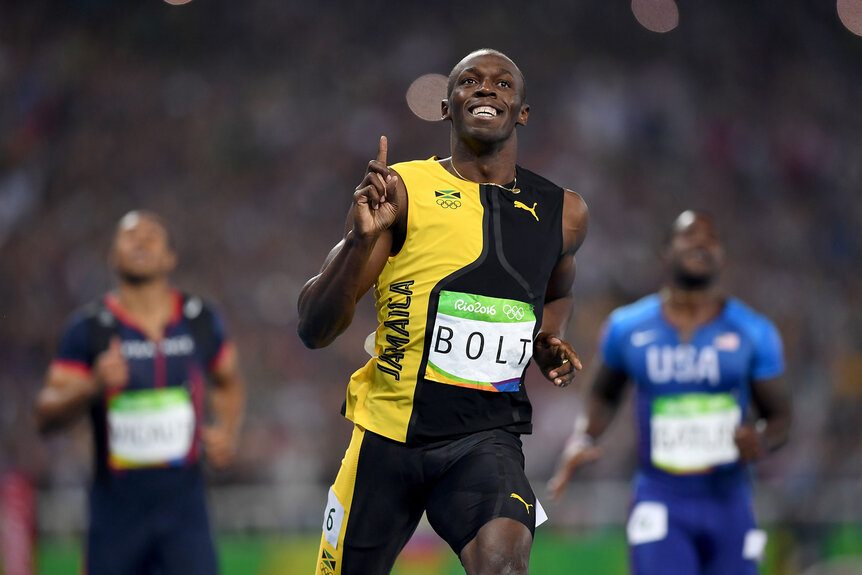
[139, 361]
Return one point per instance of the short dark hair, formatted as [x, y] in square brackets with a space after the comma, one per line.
[152, 216]
[453, 76]
[672, 228]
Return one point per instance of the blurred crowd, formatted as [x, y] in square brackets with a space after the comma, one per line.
[248, 125]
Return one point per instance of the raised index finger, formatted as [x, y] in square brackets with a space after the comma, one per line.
[381, 151]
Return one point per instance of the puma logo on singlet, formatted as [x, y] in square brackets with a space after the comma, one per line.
[519, 498]
[523, 206]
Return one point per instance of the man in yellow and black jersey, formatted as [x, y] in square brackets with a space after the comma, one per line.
[472, 263]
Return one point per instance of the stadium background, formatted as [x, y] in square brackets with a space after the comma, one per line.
[248, 124]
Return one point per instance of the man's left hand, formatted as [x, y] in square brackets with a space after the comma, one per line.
[556, 359]
[749, 443]
[220, 446]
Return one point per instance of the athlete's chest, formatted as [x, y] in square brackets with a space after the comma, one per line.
[455, 226]
[169, 362]
[716, 358]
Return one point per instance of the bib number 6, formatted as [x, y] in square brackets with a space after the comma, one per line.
[333, 516]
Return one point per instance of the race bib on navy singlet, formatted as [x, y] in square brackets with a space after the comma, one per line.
[150, 427]
[480, 342]
[694, 431]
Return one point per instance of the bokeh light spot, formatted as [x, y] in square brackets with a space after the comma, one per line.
[425, 94]
[656, 15]
[850, 13]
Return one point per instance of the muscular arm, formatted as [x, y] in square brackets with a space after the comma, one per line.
[63, 399]
[605, 395]
[327, 302]
[227, 399]
[67, 393]
[552, 354]
[773, 405]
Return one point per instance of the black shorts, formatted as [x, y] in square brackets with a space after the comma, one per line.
[383, 487]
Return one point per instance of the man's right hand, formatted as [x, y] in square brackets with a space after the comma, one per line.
[375, 201]
[578, 451]
[111, 369]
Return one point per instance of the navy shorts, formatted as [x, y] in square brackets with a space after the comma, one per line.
[148, 533]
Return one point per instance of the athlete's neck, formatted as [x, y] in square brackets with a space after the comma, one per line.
[691, 307]
[481, 162]
[150, 302]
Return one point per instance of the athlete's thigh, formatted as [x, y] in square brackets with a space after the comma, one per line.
[659, 541]
[118, 542]
[736, 545]
[484, 479]
[372, 508]
[501, 546]
[190, 551]
[185, 545]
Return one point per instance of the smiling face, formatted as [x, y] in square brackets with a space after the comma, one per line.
[694, 253]
[486, 98]
[141, 251]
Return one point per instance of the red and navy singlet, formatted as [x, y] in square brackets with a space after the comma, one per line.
[147, 501]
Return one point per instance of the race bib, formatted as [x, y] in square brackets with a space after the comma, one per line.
[150, 427]
[694, 432]
[480, 342]
[754, 545]
[647, 523]
[333, 517]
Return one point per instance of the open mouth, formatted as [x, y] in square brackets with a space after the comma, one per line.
[483, 111]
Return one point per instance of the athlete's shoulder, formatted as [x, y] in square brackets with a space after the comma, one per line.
[86, 330]
[196, 308]
[207, 327]
[92, 311]
[763, 336]
[529, 177]
[747, 319]
[632, 315]
[621, 326]
[194, 304]
[430, 164]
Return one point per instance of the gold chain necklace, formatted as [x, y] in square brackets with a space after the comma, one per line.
[514, 189]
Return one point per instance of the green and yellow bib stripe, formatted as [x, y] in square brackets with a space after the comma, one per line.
[458, 307]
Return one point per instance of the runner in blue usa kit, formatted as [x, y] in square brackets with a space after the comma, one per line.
[698, 360]
[138, 361]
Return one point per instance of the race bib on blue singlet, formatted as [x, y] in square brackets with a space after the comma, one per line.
[693, 432]
[480, 342]
[150, 427]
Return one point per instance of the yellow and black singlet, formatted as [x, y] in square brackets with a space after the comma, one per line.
[459, 306]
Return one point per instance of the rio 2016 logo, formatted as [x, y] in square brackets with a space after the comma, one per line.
[475, 307]
[513, 312]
